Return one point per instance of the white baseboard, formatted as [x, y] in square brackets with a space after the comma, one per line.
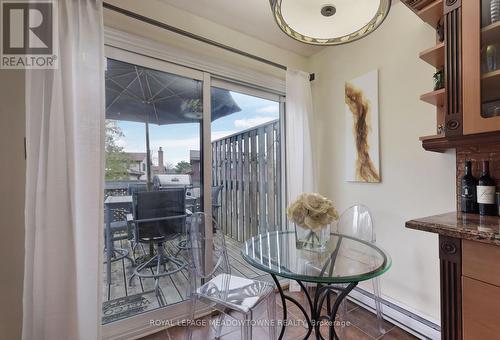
[402, 316]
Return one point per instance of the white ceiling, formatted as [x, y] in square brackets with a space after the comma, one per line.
[251, 17]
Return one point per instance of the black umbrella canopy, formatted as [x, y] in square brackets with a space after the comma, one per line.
[138, 94]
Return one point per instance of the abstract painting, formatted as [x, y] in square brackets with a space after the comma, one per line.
[362, 141]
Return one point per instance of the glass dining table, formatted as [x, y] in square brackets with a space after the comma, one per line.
[338, 268]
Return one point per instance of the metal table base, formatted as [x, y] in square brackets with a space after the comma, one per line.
[314, 320]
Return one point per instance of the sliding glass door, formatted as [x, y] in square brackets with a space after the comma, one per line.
[247, 162]
[154, 143]
[174, 129]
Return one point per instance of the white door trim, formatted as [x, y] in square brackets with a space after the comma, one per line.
[147, 47]
[245, 89]
[152, 63]
[150, 322]
[155, 320]
[148, 53]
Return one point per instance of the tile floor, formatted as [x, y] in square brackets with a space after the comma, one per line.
[363, 326]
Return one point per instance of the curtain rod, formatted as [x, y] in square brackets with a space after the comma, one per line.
[194, 36]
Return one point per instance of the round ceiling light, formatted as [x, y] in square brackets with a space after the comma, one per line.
[329, 22]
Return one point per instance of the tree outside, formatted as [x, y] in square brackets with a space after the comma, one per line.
[170, 167]
[117, 162]
[183, 167]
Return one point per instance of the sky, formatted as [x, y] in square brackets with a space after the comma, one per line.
[176, 140]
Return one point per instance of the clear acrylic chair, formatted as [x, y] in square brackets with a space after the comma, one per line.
[212, 284]
[357, 222]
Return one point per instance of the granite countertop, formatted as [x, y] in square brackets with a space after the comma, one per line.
[465, 226]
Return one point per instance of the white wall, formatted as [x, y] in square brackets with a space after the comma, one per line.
[12, 178]
[415, 183]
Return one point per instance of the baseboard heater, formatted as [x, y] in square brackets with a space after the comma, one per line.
[398, 315]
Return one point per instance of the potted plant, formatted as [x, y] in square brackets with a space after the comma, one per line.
[438, 80]
[312, 215]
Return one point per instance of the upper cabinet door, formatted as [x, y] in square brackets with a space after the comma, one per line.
[481, 65]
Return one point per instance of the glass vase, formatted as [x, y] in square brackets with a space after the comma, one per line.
[316, 240]
[489, 55]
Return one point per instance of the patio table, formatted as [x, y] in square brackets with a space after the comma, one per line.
[339, 267]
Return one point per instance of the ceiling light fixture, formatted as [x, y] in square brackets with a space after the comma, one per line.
[334, 22]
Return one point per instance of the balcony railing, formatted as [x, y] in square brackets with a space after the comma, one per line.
[248, 167]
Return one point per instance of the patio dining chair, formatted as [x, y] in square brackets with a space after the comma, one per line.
[212, 283]
[184, 244]
[215, 200]
[119, 231]
[132, 189]
[136, 187]
[358, 222]
[158, 217]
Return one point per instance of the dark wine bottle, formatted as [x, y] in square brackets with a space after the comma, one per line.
[468, 184]
[486, 192]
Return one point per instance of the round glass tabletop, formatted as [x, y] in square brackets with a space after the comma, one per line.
[345, 259]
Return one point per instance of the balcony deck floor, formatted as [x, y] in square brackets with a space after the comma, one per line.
[128, 300]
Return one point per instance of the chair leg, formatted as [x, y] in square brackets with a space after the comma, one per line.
[157, 278]
[342, 318]
[341, 313]
[219, 324]
[246, 328]
[134, 245]
[159, 258]
[139, 268]
[271, 316]
[108, 273]
[378, 304]
[190, 321]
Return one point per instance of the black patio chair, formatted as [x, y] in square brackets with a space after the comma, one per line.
[132, 189]
[137, 187]
[184, 244]
[158, 217]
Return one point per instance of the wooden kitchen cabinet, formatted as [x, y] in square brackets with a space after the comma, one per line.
[469, 256]
[481, 310]
[481, 68]
[469, 104]
[481, 262]
[480, 290]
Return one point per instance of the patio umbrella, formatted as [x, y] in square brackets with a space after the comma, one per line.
[138, 94]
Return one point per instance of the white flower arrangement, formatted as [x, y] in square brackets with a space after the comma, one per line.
[312, 211]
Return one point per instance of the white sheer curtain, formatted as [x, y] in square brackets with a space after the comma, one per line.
[299, 162]
[299, 108]
[65, 136]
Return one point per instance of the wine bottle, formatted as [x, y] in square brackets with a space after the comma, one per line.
[469, 183]
[486, 192]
